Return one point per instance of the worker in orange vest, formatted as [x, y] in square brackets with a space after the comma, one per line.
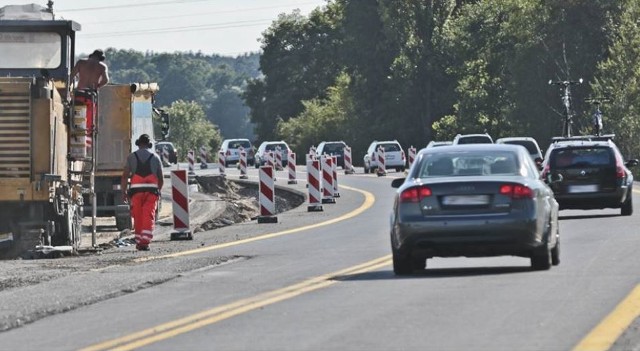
[144, 168]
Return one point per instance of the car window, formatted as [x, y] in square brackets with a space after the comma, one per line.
[273, 147]
[391, 147]
[529, 145]
[162, 146]
[239, 143]
[474, 140]
[468, 164]
[333, 148]
[582, 157]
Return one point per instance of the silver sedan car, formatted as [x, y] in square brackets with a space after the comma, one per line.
[474, 201]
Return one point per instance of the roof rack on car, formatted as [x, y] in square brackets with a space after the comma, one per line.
[604, 137]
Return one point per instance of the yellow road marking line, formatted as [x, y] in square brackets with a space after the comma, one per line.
[605, 334]
[217, 314]
[368, 202]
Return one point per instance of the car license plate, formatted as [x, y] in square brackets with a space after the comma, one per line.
[590, 188]
[389, 157]
[465, 200]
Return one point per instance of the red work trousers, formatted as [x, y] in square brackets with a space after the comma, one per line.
[143, 211]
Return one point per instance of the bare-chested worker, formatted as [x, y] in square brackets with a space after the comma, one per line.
[92, 72]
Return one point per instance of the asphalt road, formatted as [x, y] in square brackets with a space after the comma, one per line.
[323, 281]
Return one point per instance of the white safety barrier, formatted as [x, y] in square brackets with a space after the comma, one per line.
[165, 155]
[381, 170]
[180, 199]
[291, 166]
[314, 181]
[243, 163]
[312, 154]
[279, 162]
[327, 179]
[266, 197]
[348, 161]
[221, 162]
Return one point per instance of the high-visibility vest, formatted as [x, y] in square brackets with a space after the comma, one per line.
[143, 179]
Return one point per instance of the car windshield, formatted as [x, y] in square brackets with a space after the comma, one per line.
[474, 140]
[582, 157]
[529, 145]
[169, 147]
[239, 143]
[471, 163]
[391, 147]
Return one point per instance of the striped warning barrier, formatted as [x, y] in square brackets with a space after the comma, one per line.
[221, 163]
[412, 155]
[291, 166]
[334, 170]
[180, 199]
[327, 179]
[279, 162]
[243, 163]
[191, 158]
[203, 158]
[266, 196]
[314, 181]
[312, 154]
[381, 170]
[165, 155]
[348, 163]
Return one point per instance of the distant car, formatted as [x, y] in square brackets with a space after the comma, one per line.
[472, 139]
[589, 173]
[434, 143]
[231, 149]
[393, 155]
[267, 146]
[334, 148]
[473, 201]
[529, 143]
[173, 151]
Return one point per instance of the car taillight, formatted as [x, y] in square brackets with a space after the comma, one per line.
[516, 191]
[403, 157]
[415, 194]
[620, 173]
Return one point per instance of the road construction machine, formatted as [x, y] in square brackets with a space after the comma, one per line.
[43, 134]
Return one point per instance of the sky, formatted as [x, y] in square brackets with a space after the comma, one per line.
[223, 27]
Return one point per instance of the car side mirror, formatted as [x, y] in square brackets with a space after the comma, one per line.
[396, 183]
[554, 178]
[632, 163]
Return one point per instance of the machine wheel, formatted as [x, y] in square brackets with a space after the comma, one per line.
[541, 258]
[627, 205]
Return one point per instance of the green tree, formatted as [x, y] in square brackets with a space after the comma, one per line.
[190, 129]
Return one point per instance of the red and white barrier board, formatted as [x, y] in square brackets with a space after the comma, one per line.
[412, 155]
[348, 161]
[291, 166]
[314, 184]
[381, 170]
[327, 179]
[165, 155]
[334, 169]
[191, 158]
[266, 196]
[221, 162]
[203, 157]
[180, 199]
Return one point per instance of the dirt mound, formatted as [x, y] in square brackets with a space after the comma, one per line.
[241, 198]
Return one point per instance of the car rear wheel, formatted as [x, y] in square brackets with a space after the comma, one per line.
[555, 254]
[402, 265]
[627, 205]
[366, 169]
[541, 258]
[419, 264]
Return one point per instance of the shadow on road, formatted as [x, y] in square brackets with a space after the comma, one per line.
[588, 216]
[436, 273]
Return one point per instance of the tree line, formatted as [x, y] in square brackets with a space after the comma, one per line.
[411, 70]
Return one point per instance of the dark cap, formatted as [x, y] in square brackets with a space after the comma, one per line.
[98, 55]
[144, 140]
